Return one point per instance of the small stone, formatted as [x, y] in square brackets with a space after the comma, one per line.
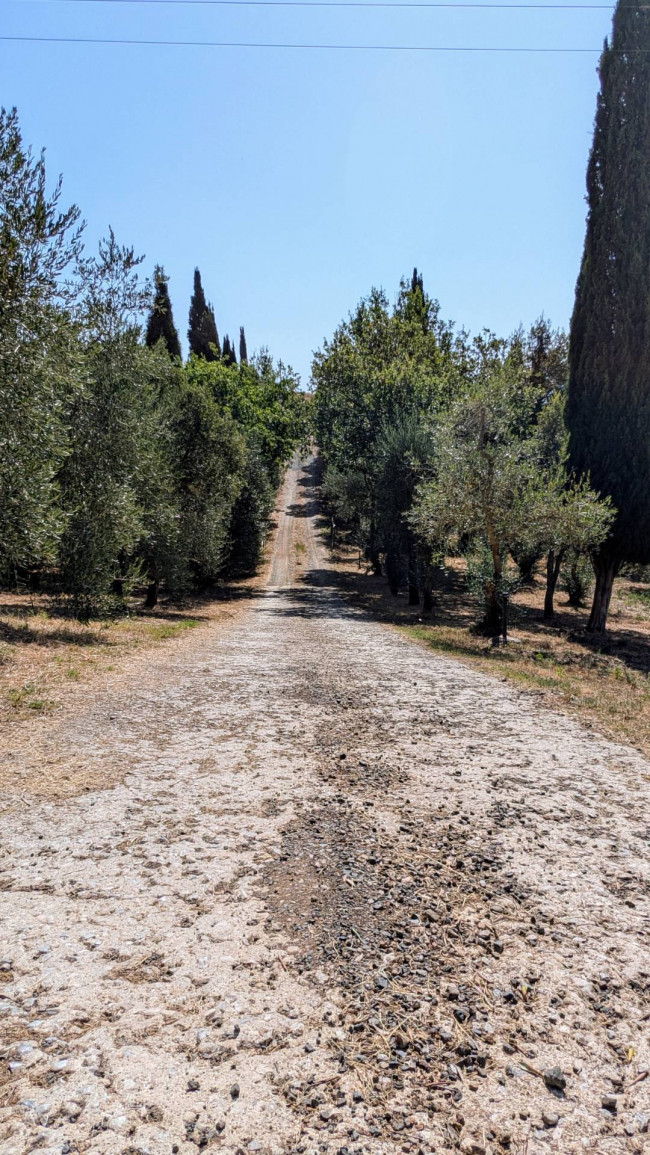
[609, 1102]
[497, 946]
[193, 1085]
[550, 1119]
[326, 1114]
[234, 1091]
[554, 1078]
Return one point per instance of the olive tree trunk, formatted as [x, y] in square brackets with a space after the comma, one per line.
[553, 563]
[606, 567]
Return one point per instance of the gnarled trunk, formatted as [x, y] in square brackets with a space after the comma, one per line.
[606, 567]
[493, 612]
[152, 595]
[553, 563]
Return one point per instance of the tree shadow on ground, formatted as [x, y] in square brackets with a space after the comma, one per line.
[455, 608]
[27, 635]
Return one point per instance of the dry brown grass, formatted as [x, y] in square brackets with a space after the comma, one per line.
[43, 653]
[604, 682]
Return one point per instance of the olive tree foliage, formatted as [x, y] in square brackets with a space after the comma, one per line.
[250, 516]
[118, 465]
[501, 479]
[263, 402]
[155, 465]
[404, 453]
[384, 368]
[211, 456]
[99, 478]
[39, 364]
[542, 356]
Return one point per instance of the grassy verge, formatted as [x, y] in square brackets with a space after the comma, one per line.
[606, 693]
[44, 653]
[604, 683]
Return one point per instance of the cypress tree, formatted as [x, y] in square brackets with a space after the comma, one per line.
[417, 282]
[161, 320]
[202, 333]
[608, 411]
[417, 308]
[243, 351]
[228, 355]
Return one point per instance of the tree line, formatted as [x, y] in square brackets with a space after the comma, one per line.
[438, 444]
[520, 449]
[120, 465]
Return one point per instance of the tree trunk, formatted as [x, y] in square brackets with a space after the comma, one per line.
[427, 591]
[152, 595]
[553, 563]
[372, 551]
[606, 567]
[526, 563]
[493, 613]
[414, 592]
[392, 572]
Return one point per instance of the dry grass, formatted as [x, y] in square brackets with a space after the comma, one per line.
[43, 654]
[604, 682]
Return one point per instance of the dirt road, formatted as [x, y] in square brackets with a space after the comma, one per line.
[341, 895]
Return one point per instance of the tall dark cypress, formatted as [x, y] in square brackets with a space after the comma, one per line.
[417, 282]
[608, 410]
[243, 351]
[202, 333]
[228, 353]
[161, 321]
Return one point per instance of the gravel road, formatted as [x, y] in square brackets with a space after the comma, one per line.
[340, 895]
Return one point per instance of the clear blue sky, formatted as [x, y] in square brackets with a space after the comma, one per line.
[297, 180]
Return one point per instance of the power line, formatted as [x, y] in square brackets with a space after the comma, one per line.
[300, 47]
[346, 4]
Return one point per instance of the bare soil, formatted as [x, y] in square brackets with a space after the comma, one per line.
[344, 894]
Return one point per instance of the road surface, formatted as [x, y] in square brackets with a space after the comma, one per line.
[339, 894]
